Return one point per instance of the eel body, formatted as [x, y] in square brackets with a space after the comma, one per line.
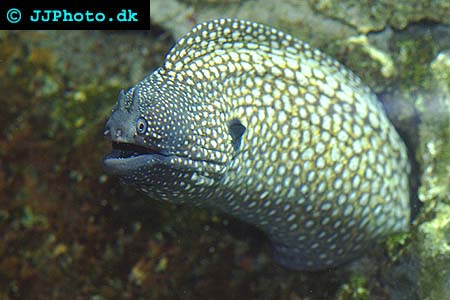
[252, 121]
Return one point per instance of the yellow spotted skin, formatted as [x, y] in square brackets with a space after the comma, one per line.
[250, 120]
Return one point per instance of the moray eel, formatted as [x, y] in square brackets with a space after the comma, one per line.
[249, 120]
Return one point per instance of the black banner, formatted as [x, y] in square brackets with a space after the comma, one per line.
[78, 14]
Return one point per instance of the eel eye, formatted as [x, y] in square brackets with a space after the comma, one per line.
[141, 126]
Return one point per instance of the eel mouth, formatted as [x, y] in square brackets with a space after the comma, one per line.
[126, 150]
[126, 158]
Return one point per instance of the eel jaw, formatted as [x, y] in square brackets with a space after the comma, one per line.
[125, 158]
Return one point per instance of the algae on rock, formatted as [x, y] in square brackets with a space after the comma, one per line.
[367, 16]
[432, 243]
